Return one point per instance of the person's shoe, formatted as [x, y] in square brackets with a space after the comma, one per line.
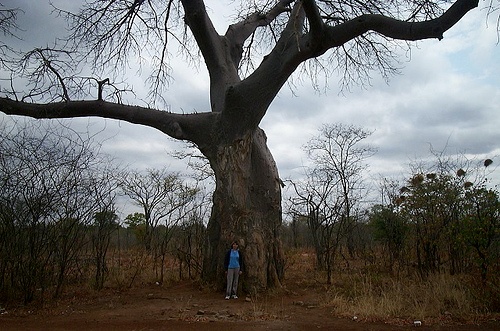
[235, 297]
[227, 297]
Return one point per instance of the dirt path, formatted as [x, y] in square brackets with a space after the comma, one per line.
[185, 306]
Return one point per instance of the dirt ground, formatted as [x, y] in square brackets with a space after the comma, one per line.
[186, 306]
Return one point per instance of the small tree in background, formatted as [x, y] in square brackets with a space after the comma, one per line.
[105, 223]
[432, 204]
[452, 216]
[330, 196]
[480, 227]
[391, 230]
[136, 222]
[165, 199]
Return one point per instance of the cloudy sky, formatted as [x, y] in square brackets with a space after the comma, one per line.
[447, 96]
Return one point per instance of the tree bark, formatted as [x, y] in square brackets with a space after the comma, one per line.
[246, 208]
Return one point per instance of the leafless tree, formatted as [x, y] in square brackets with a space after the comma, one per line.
[350, 37]
[333, 189]
[165, 199]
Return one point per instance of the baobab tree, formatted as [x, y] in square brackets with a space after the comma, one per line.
[247, 196]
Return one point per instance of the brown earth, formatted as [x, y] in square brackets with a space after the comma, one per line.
[186, 306]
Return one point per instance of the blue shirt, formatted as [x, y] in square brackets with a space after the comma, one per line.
[234, 259]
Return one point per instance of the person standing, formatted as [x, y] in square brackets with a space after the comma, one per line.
[234, 266]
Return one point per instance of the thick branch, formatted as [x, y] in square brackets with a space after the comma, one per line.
[396, 29]
[191, 127]
[264, 83]
[314, 17]
[214, 50]
[207, 38]
[241, 31]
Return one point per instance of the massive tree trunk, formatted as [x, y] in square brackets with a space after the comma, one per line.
[246, 208]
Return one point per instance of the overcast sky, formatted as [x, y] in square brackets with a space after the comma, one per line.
[448, 95]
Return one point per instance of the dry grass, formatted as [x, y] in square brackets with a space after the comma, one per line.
[369, 294]
[437, 296]
[135, 267]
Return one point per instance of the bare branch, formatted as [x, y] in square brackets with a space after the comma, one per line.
[47, 63]
[191, 127]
